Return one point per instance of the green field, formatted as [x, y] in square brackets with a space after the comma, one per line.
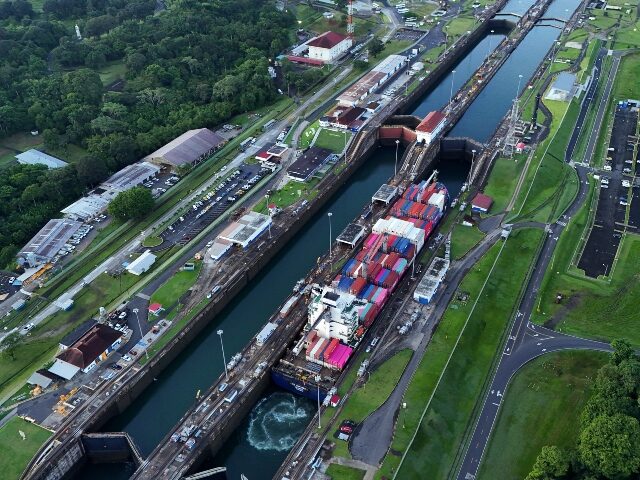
[448, 417]
[367, 398]
[112, 72]
[332, 140]
[459, 26]
[288, 195]
[548, 394]
[174, 288]
[503, 180]
[341, 472]
[464, 239]
[17, 452]
[152, 241]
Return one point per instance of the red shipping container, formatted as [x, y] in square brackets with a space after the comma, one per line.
[357, 285]
[373, 270]
[392, 280]
[371, 315]
[329, 350]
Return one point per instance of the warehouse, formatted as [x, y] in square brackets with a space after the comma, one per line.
[88, 207]
[48, 241]
[433, 277]
[390, 65]
[363, 87]
[219, 248]
[329, 46]
[188, 149]
[141, 264]
[36, 157]
[131, 176]
[563, 88]
[309, 163]
[246, 229]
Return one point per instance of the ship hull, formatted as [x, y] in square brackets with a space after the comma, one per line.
[297, 386]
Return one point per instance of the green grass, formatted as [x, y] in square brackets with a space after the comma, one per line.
[152, 241]
[342, 472]
[366, 399]
[7, 159]
[112, 72]
[288, 195]
[17, 452]
[332, 140]
[548, 394]
[174, 288]
[442, 431]
[503, 180]
[21, 141]
[464, 239]
[459, 26]
[306, 137]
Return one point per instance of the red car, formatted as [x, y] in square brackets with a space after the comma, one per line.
[346, 429]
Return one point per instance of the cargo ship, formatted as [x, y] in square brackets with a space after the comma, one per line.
[340, 314]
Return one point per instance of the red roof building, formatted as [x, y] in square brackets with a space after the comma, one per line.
[155, 308]
[430, 127]
[481, 203]
[93, 347]
[329, 46]
[308, 61]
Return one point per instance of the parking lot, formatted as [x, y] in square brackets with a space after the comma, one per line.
[6, 287]
[613, 199]
[211, 205]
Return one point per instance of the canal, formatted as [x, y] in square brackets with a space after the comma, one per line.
[258, 447]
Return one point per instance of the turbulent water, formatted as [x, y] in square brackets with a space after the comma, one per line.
[277, 421]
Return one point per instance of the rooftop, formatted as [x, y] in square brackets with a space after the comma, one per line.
[90, 346]
[187, 148]
[308, 163]
[351, 234]
[361, 87]
[130, 176]
[482, 201]
[327, 40]
[36, 157]
[50, 239]
[430, 122]
[77, 333]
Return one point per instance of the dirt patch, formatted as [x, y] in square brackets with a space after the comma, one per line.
[572, 302]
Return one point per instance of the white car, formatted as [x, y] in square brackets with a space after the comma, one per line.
[126, 358]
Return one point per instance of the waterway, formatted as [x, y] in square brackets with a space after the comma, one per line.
[261, 443]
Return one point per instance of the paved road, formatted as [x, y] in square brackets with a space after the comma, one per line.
[526, 340]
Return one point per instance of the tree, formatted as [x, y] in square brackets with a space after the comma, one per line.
[91, 170]
[622, 350]
[376, 47]
[610, 446]
[10, 344]
[132, 204]
[551, 463]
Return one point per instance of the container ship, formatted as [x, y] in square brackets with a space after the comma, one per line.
[339, 314]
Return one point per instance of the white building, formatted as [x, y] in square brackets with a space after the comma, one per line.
[329, 46]
[246, 229]
[142, 263]
[430, 127]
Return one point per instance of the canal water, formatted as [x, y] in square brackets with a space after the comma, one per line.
[257, 448]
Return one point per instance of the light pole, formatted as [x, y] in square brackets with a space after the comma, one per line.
[317, 378]
[453, 76]
[146, 351]
[473, 157]
[518, 90]
[395, 169]
[268, 213]
[489, 52]
[224, 360]
[330, 241]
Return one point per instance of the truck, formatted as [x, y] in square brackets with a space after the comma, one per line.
[246, 143]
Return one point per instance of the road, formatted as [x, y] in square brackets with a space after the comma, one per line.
[528, 341]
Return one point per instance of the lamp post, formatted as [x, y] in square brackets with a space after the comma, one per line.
[453, 76]
[317, 378]
[268, 213]
[330, 241]
[518, 90]
[146, 351]
[224, 360]
[395, 169]
[473, 157]
[489, 52]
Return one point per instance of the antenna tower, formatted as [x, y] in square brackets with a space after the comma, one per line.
[350, 19]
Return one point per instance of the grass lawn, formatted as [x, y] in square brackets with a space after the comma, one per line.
[306, 137]
[503, 180]
[287, 195]
[332, 140]
[464, 239]
[548, 393]
[7, 158]
[366, 399]
[17, 452]
[112, 72]
[171, 291]
[341, 472]
[152, 241]
[459, 26]
[442, 431]
[21, 141]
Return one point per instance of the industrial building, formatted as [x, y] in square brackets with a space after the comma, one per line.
[219, 248]
[89, 350]
[351, 235]
[246, 229]
[430, 127]
[90, 206]
[563, 88]
[377, 77]
[131, 176]
[433, 277]
[329, 46]
[309, 163]
[48, 241]
[36, 157]
[141, 264]
[189, 148]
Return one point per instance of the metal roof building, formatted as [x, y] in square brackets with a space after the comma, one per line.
[142, 263]
[131, 176]
[89, 206]
[246, 229]
[309, 163]
[190, 147]
[36, 157]
[49, 240]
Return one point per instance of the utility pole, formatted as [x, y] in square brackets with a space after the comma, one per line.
[224, 360]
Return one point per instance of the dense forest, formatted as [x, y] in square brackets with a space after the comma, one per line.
[191, 65]
[608, 445]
